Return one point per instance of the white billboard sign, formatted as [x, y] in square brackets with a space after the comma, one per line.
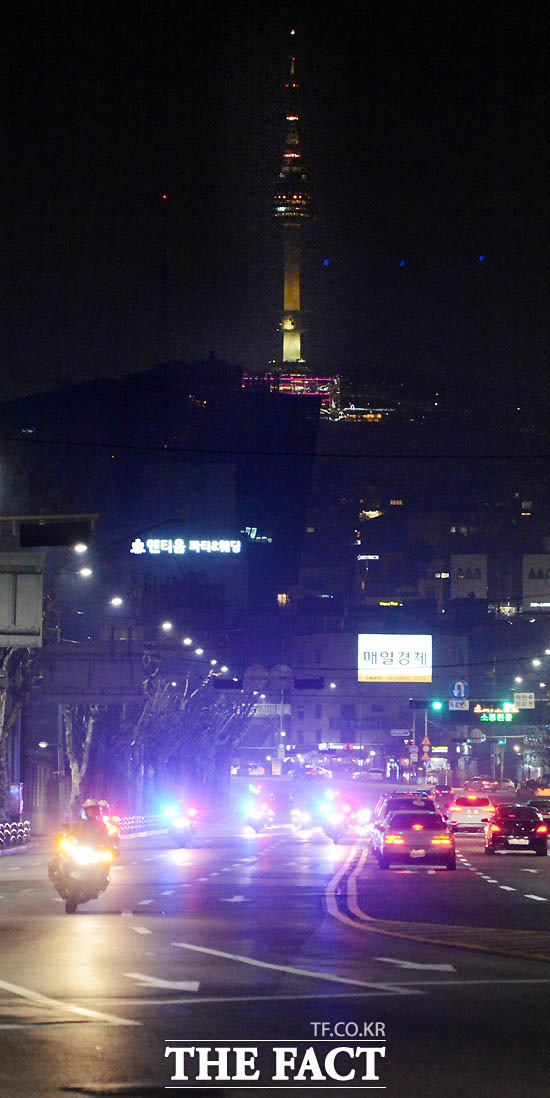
[389, 657]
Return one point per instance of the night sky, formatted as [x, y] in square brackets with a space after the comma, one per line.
[425, 133]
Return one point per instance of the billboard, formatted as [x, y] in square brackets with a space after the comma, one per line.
[389, 657]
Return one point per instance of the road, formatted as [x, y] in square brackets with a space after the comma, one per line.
[259, 939]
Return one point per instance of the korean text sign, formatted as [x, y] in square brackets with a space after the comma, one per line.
[389, 657]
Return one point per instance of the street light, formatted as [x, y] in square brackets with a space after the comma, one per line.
[166, 626]
[116, 600]
[80, 547]
[518, 678]
[223, 669]
[187, 641]
[85, 572]
[42, 743]
[199, 651]
[333, 686]
[536, 663]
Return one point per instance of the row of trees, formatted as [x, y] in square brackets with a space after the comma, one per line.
[180, 737]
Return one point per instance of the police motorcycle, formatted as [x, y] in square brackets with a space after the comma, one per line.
[79, 870]
[181, 824]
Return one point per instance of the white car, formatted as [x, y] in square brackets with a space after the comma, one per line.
[467, 811]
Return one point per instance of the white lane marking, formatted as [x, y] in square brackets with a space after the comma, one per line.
[214, 874]
[491, 880]
[201, 878]
[226, 869]
[168, 892]
[13, 868]
[36, 863]
[20, 891]
[253, 859]
[413, 964]
[140, 930]
[153, 981]
[235, 899]
[44, 1000]
[508, 888]
[141, 902]
[528, 870]
[148, 859]
[57, 900]
[331, 979]
[531, 896]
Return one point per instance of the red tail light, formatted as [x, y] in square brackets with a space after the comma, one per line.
[418, 827]
[455, 808]
[395, 840]
[542, 829]
[493, 828]
[442, 840]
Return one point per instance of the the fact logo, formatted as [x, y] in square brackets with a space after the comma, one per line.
[300, 1063]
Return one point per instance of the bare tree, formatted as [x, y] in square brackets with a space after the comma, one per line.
[188, 728]
[79, 724]
[16, 669]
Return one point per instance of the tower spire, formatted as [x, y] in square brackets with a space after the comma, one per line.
[292, 208]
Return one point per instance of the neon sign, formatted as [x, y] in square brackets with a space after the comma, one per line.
[179, 546]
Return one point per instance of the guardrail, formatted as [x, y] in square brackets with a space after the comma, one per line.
[14, 834]
[130, 824]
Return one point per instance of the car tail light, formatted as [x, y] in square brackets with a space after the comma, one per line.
[493, 828]
[442, 840]
[455, 808]
[395, 840]
[418, 827]
[542, 830]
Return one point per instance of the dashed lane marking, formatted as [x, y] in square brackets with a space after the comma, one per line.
[531, 896]
[507, 888]
[142, 902]
[168, 892]
[140, 930]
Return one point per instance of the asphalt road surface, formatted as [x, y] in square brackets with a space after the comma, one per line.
[256, 941]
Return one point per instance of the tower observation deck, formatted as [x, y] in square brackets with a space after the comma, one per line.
[292, 208]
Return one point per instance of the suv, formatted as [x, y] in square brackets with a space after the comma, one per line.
[467, 811]
[397, 802]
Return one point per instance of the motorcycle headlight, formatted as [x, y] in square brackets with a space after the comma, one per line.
[85, 855]
[335, 818]
[181, 822]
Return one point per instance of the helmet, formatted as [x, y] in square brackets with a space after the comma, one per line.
[91, 809]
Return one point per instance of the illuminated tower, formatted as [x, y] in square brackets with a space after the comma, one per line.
[292, 208]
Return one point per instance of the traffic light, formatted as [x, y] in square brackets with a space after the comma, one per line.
[502, 743]
[37, 534]
[436, 704]
[227, 684]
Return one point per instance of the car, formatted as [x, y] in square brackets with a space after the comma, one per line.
[474, 785]
[542, 805]
[271, 809]
[385, 806]
[421, 838]
[467, 810]
[375, 775]
[345, 820]
[310, 773]
[516, 827]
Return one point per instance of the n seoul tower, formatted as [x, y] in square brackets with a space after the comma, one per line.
[292, 208]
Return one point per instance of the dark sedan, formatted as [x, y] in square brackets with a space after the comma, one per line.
[516, 827]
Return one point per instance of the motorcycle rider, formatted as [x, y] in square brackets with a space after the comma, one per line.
[90, 828]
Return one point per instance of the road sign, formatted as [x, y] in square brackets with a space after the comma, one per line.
[401, 732]
[414, 755]
[459, 688]
[524, 700]
[425, 757]
[459, 703]
[426, 741]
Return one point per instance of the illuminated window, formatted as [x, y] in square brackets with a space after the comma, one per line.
[396, 502]
[283, 599]
[441, 575]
